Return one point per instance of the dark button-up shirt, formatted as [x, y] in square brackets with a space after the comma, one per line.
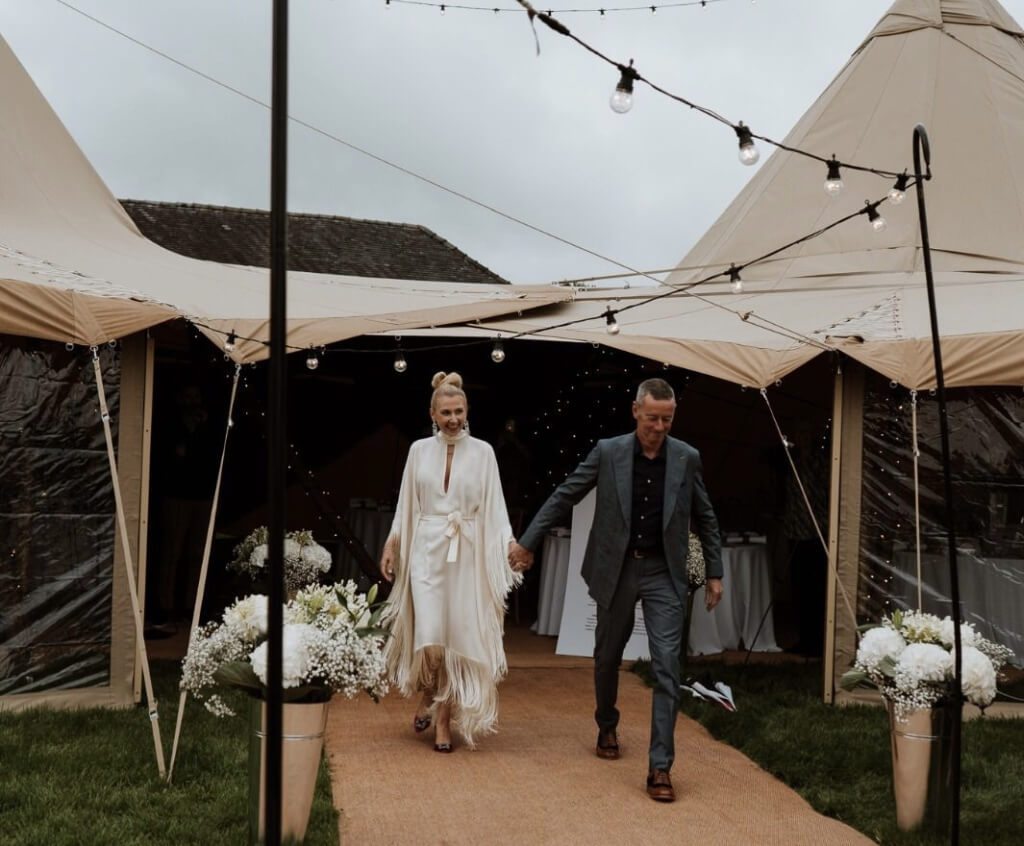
[648, 499]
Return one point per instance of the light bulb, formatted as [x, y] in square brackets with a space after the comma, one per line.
[612, 326]
[312, 362]
[877, 222]
[899, 189]
[621, 101]
[833, 180]
[748, 151]
[498, 353]
[735, 283]
[400, 364]
[229, 344]
[622, 98]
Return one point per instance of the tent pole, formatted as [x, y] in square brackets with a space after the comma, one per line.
[204, 568]
[277, 410]
[154, 717]
[921, 145]
[829, 655]
[147, 443]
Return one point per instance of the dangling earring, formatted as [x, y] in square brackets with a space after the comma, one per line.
[433, 427]
[465, 427]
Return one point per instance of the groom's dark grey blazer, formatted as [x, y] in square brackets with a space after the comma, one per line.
[610, 467]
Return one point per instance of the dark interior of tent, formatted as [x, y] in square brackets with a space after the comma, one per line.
[350, 423]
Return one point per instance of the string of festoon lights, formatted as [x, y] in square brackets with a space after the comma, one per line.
[622, 101]
[314, 354]
[601, 11]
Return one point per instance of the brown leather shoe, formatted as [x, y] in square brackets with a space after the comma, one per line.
[607, 745]
[659, 786]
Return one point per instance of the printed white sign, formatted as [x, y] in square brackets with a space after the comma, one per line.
[579, 614]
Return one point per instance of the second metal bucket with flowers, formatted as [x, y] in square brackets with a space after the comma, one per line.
[922, 767]
[303, 727]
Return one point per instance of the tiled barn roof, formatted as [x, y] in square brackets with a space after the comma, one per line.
[316, 243]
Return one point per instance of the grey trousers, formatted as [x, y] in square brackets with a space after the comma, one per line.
[648, 580]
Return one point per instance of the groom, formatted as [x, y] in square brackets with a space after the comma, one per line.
[648, 486]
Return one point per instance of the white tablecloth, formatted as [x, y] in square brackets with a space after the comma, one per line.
[554, 569]
[747, 596]
[991, 593]
[747, 585]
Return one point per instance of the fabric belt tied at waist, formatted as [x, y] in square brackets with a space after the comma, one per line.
[457, 527]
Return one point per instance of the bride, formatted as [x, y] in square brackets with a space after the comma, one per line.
[447, 554]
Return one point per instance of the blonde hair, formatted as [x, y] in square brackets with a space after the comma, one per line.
[446, 385]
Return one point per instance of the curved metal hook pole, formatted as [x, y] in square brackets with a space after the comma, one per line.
[921, 146]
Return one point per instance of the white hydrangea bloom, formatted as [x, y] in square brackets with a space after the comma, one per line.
[876, 644]
[968, 635]
[316, 557]
[295, 640]
[292, 550]
[922, 662]
[248, 617]
[978, 677]
[258, 557]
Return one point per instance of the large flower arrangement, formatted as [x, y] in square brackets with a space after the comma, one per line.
[304, 558]
[909, 658]
[331, 643]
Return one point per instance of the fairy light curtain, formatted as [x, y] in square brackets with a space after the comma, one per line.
[987, 449]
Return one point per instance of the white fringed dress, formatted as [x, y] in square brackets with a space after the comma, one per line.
[452, 578]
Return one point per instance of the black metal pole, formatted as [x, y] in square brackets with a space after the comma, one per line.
[276, 416]
[921, 146]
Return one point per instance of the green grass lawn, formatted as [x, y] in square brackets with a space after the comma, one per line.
[89, 777]
[838, 758]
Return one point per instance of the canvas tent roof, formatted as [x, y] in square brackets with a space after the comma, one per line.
[955, 66]
[73, 266]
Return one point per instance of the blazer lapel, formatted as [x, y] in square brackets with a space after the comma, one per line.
[675, 472]
[623, 464]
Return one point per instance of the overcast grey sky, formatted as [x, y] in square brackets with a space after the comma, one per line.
[461, 98]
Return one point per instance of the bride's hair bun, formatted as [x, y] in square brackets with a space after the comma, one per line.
[442, 378]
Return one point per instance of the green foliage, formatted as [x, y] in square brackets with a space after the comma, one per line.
[89, 777]
[839, 758]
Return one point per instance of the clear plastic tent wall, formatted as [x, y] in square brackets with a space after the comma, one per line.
[987, 461]
[57, 517]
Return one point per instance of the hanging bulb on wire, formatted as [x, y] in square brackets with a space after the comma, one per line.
[622, 98]
[748, 151]
[612, 327]
[498, 352]
[400, 364]
[899, 189]
[312, 360]
[229, 344]
[833, 180]
[735, 283]
[878, 223]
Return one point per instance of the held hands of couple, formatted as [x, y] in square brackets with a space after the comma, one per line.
[712, 593]
[519, 557]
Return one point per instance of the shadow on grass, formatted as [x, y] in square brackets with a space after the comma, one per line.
[838, 758]
[89, 777]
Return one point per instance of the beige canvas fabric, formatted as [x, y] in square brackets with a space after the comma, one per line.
[73, 266]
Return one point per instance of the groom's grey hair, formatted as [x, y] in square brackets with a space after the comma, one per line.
[657, 389]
